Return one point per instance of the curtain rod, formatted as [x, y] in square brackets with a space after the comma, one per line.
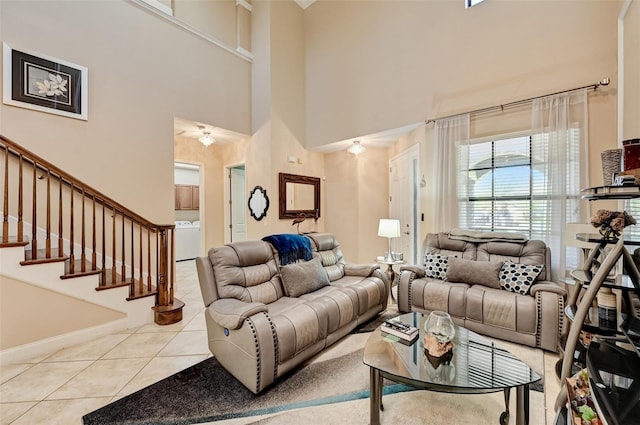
[603, 82]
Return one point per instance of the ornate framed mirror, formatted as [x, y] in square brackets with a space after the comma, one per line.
[299, 196]
[258, 203]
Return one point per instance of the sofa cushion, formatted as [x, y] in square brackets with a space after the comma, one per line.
[502, 309]
[439, 243]
[518, 278]
[435, 266]
[303, 277]
[298, 325]
[246, 271]
[474, 272]
[328, 249]
[532, 252]
[429, 295]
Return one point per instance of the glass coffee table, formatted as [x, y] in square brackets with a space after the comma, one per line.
[475, 366]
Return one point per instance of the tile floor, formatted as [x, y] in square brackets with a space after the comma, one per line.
[59, 388]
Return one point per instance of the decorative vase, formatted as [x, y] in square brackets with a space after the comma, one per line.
[440, 326]
[611, 163]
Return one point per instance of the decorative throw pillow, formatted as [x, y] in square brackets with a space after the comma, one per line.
[474, 272]
[517, 277]
[435, 266]
[303, 277]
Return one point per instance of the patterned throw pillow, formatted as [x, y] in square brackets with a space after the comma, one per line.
[435, 266]
[518, 278]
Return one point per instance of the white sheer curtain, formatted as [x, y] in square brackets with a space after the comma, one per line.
[556, 123]
[450, 133]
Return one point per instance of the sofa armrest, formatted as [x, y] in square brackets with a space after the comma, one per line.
[545, 285]
[363, 270]
[407, 275]
[418, 271]
[231, 313]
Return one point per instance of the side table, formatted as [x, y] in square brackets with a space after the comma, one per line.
[391, 274]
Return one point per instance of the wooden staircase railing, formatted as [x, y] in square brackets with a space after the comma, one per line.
[99, 235]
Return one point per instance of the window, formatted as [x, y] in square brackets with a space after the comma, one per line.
[632, 206]
[503, 185]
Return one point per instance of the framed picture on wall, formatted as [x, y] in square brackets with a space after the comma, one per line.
[44, 84]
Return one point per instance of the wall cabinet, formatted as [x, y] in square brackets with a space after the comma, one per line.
[187, 197]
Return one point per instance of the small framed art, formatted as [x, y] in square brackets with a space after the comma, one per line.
[45, 84]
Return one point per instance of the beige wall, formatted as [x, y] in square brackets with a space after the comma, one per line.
[443, 59]
[631, 55]
[278, 110]
[358, 188]
[143, 72]
[378, 65]
[29, 313]
[217, 18]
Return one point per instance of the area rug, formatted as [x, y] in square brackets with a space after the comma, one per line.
[207, 392]
[371, 325]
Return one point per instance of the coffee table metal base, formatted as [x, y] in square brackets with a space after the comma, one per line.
[375, 400]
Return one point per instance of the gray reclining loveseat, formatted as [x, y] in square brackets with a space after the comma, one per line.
[264, 318]
[499, 288]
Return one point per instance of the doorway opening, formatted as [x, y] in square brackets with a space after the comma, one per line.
[189, 210]
[403, 203]
[236, 197]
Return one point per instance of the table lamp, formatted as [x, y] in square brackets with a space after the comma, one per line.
[389, 228]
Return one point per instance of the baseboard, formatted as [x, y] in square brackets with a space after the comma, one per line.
[24, 353]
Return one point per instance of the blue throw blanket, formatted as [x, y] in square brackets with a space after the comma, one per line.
[290, 247]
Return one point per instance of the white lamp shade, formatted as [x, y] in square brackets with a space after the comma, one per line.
[573, 229]
[389, 228]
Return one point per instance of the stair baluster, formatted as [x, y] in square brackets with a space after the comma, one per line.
[159, 261]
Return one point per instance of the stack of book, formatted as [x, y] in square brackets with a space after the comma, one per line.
[403, 332]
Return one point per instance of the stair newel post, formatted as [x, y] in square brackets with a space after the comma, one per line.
[172, 263]
[163, 293]
[48, 238]
[5, 206]
[20, 202]
[34, 224]
[168, 310]
[72, 258]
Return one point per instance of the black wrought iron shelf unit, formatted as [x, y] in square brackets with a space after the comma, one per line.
[582, 316]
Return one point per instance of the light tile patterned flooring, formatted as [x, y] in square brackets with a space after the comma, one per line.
[59, 388]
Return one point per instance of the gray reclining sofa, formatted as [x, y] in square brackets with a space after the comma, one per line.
[264, 318]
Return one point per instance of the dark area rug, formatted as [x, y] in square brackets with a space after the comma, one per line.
[371, 325]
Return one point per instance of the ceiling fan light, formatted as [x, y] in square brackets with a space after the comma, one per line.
[356, 148]
[207, 140]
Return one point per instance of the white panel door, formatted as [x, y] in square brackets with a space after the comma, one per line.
[403, 202]
[238, 204]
